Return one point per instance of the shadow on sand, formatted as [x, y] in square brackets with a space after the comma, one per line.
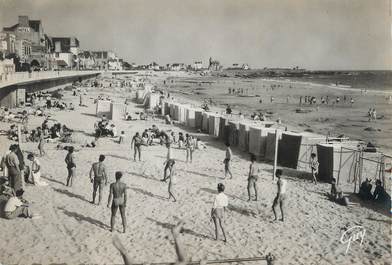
[148, 193]
[70, 194]
[184, 230]
[81, 218]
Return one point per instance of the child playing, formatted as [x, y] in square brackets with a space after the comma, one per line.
[314, 165]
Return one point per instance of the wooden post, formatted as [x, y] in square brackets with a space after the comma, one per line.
[355, 171]
[275, 154]
[19, 135]
[340, 164]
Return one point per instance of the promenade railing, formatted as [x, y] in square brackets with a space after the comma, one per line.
[17, 77]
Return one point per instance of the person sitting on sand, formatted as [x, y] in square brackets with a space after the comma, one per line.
[121, 137]
[16, 208]
[35, 171]
[379, 194]
[142, 116]
[336, 194]
[200, 145]
[98, 177]
[228, 110]
[218, 210]
[280, 195]
[118, 191]
[253, 177]
[314, 166]
[365, 190]
[168, 119]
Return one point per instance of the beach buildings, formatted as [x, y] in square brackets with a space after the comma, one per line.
[65, 52]
[30, 32]
[197, 65]
[7, 43]
[7, 67]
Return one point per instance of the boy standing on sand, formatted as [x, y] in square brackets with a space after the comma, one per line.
[136, 143]
[168, 163]
[99, 179]
[252, 177]
[71, 166]
[314, 165]
[227, 161]
[218, 210]
[280, 196]
[118, 191]
[172, 180]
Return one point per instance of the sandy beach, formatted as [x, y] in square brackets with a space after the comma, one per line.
[73, 231]
[335, 119]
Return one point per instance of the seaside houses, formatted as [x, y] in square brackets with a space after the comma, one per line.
[65, 52]
[197, 65]
[30, 32]
[7, 43]
[106, 60]
[7, 67]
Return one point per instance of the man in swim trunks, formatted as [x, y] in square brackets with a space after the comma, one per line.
[118, 191]
[229, 154]
[71, 166]
[98, 177]
[280, 196]
[253, 177]
[136, 144]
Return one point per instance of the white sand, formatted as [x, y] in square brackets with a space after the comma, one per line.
[74, 231]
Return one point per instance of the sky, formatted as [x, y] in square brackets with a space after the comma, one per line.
[311, 34]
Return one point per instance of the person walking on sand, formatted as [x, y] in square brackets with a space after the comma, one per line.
[98, 177]
[172, 179]
[314, 166]
[136, 143]
[252, 177]
[190, 147]
[168, 162]
[41, 144]
[71, 166]
[118, 191]
[229, 154]
[280, 196]
[218, 210]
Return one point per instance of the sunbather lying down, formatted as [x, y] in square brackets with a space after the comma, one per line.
[181, 258]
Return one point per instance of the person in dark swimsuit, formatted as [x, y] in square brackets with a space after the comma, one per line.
[118, 191]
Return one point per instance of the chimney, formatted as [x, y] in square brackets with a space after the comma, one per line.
[23, 21]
